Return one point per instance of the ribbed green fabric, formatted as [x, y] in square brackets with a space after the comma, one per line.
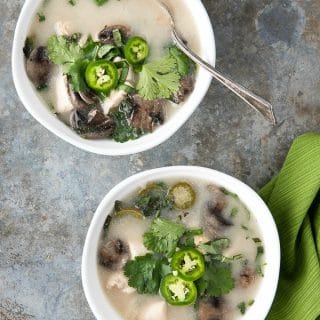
[294, 200]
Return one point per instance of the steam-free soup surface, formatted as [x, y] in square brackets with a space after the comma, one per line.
[237, 224]
[145, 17]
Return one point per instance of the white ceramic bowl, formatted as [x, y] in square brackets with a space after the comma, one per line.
[41, 113]
[266, 292]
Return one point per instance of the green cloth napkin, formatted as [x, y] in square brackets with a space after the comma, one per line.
[294, 200]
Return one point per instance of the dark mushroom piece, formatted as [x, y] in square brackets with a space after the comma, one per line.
[39, 67]
[81, 100]
[214, 220]
[92, 125]
[247, 277]
[89, 97]
[147, 113]
[106, 34]
[113, 254]
[186, 87]
[213, 309]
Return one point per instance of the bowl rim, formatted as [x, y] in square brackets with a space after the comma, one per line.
[40, 112]
[89, 272]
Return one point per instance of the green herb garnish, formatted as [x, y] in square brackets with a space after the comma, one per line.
[234, 212]
[123, 131]
[183, 62]
[242, 307]
[41, 17]
[260, 252]
[159, 79]
[144, 274]
[215, 246]
[100, 2]
[73, 58]
[217, 279]
[154, 198]
[163, 236]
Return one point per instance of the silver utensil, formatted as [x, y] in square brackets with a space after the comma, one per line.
[257, 103]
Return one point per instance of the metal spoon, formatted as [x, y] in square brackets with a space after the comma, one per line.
[257, 103]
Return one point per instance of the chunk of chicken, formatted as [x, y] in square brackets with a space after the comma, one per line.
[113, 101]
[63, 28]
[157, 310]
[62, 103]
[120, 281]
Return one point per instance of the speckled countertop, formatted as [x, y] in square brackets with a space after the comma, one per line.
[49, 190]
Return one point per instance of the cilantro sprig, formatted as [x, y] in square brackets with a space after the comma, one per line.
[159, 79]
[163, 236]
[144, 273]
[217, 279]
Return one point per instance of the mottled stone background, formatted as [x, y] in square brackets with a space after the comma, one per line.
[49, 190]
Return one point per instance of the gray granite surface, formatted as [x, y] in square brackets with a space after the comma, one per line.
[49, 190]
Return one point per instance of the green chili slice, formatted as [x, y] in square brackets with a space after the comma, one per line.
[178, 292]
[102, 76]
[189, 263]
[136, 50]
[183, 194]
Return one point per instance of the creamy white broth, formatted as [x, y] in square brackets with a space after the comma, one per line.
[144, 17]
[131, 229]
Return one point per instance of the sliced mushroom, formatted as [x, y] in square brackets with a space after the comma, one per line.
[114, 254]
[106, 34]
[39, 67]
[213, 309]
[186, 87]
[148, 113]
[81, 100]
[214, 220]
[216, 211]
[92, 125]
[89, 97]
[78, 118]
[247, 277]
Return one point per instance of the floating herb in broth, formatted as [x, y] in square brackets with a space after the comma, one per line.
[193, 264]
[91, 68]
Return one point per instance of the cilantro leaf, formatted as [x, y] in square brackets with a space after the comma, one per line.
[76, 72]
[242, 307]
[123, 131]
[63, 52]
[101, 2]
[73, 58]
[144, 274]
[217, 279]
[187, 239]
[183, 62]
[159, 79]
[163, 236]
[215, 246]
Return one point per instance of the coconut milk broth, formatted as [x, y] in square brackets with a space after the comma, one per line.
[144, 17]
[241, 243]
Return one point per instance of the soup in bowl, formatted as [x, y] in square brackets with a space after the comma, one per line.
[181, 243]
[105, 75]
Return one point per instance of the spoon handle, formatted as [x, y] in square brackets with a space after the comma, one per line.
[257, 103]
